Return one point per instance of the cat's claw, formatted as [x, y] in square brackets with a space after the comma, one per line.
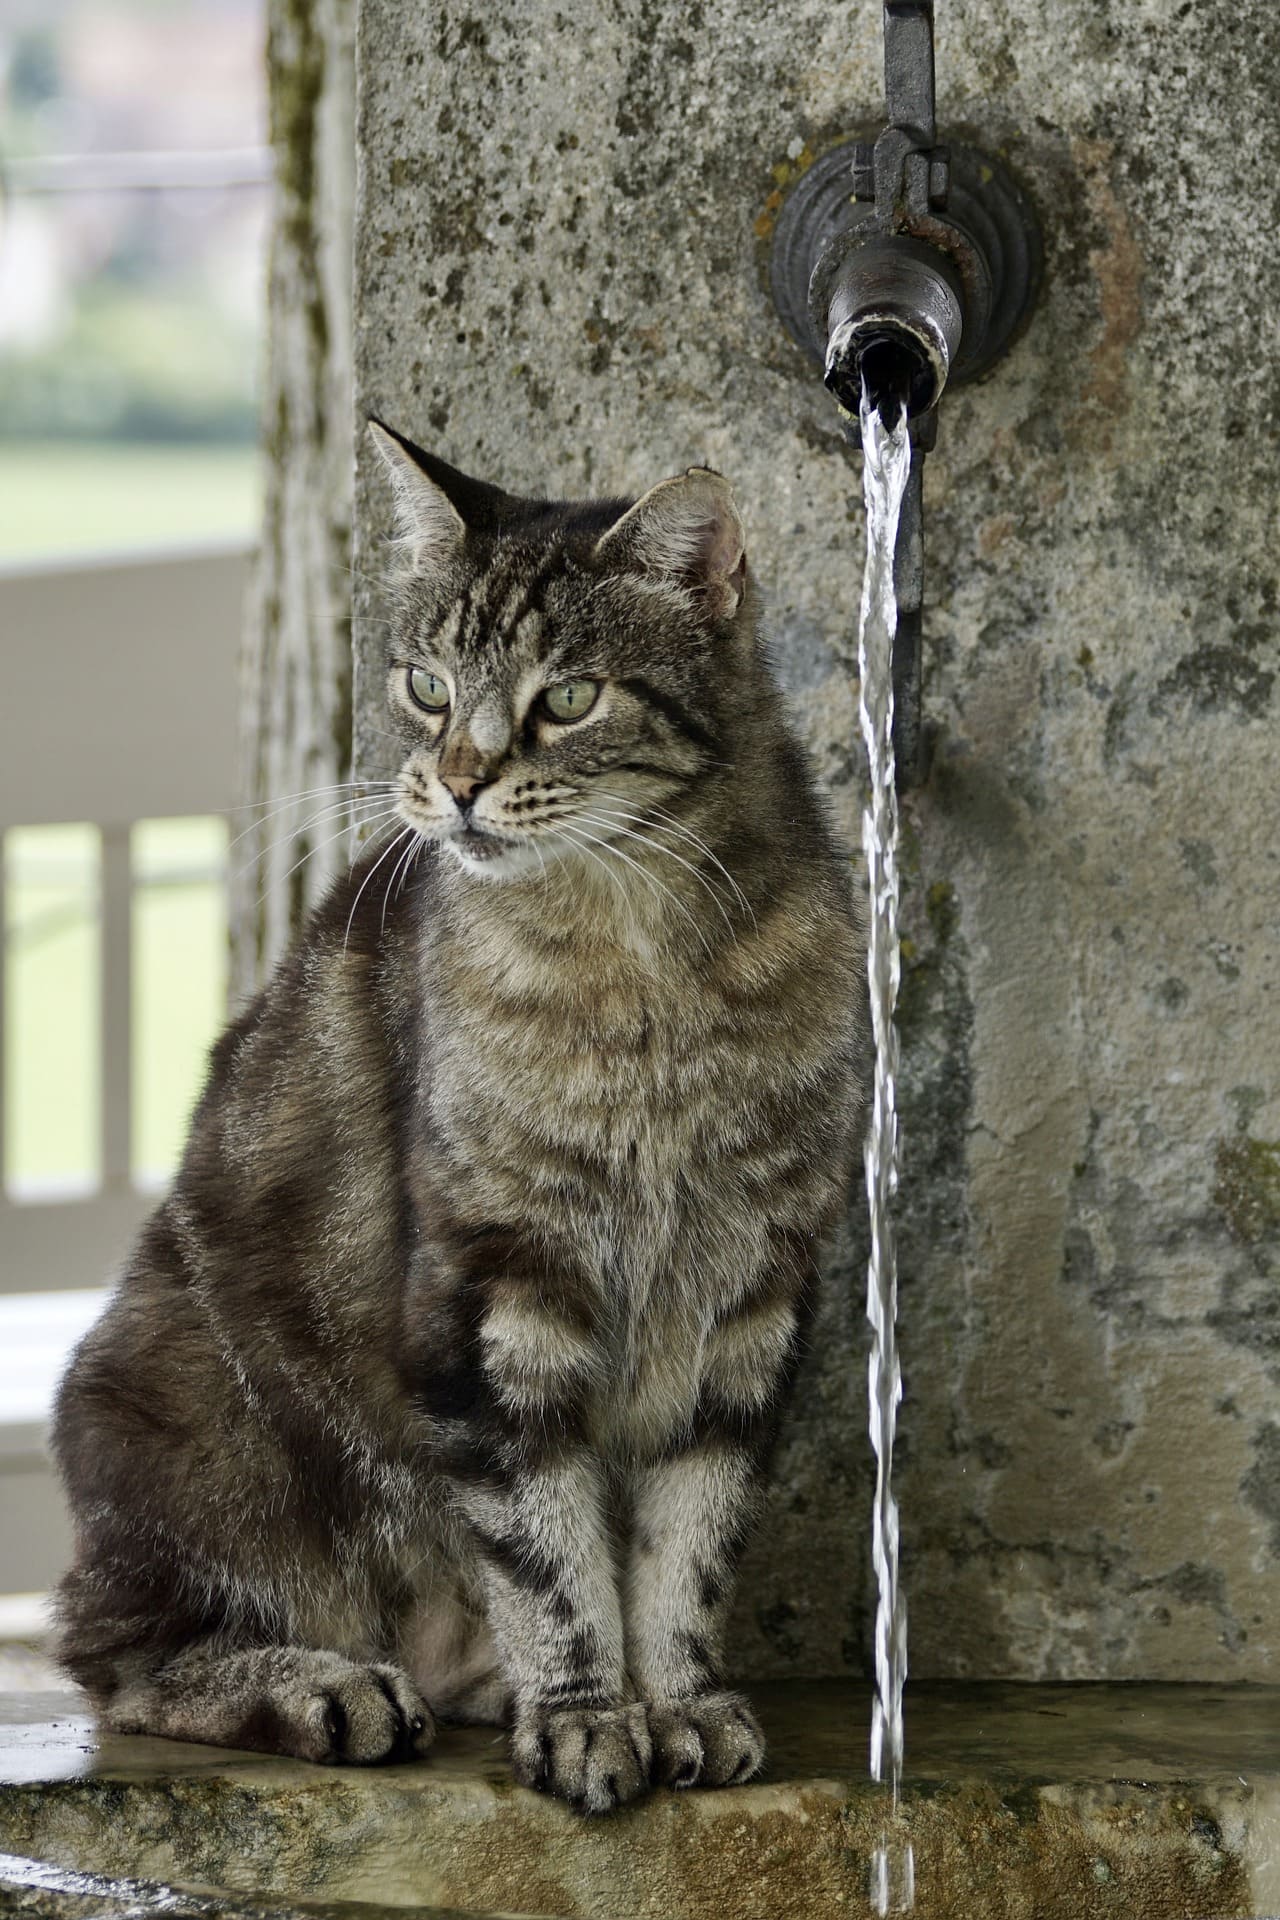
[362, 1715]
[713, 1741]
[596, 1758]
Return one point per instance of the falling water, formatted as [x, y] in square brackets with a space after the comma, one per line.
[886, 463]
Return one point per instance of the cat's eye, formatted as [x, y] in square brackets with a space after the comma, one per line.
[428, 690]
[570, 699]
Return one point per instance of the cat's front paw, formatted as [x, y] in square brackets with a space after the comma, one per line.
[713, 1741]
[596, 1758]
[357, 1715]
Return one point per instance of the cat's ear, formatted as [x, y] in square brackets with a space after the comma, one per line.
[685, 531]
[430, 527]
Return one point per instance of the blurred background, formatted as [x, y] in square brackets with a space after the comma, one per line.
[134, 172]
[135, 184]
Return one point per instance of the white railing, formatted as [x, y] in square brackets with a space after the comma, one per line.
[117, 705]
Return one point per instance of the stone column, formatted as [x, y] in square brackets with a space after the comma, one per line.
[563, 225]
[296, 661]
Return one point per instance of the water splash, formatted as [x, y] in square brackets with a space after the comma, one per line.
[893, 1878]
[886, 464]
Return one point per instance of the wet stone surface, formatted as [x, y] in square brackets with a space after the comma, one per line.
[59, 1893]
[1062, 1803]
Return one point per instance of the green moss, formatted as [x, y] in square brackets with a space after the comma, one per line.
[940, 906]
[1247, 1187]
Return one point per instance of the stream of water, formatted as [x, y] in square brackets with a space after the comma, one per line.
[886, 464]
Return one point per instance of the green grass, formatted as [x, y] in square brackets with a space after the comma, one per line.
[60, 498]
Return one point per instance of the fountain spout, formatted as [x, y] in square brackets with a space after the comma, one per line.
[903, 266]
[894, 322]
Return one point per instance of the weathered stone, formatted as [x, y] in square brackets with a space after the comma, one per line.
[1023, 1803]
[295, 705]
[562, 231]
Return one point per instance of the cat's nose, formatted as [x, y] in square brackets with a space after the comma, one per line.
[463, 786]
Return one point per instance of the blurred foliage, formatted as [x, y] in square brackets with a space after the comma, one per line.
[150, 341]
[136, 363]
[101, 496]
[34, 70]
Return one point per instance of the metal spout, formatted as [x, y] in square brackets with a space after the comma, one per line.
[903, 266]
[894, 322]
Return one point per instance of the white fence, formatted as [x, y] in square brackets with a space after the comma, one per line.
[117, 705]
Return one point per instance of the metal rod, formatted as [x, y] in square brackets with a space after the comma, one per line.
[908, 67]
[210, 172]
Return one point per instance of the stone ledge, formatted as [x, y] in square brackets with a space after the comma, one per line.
[1129, 1803]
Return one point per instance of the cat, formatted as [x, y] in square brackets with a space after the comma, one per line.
[443, 1383]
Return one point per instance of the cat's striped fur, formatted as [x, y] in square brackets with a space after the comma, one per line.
[443, 1383]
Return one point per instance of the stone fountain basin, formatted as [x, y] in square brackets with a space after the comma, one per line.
[1138, 1802]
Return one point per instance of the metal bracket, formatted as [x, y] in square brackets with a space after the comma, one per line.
[908, 171]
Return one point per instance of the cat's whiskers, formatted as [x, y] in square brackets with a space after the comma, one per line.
[400, 868]
[368, 877]
[311, 852]
[668, 821]
[304, 793]
[558, 825]
[575, 829]
[526, 834]
[394, 876]
[355, 810]
[354, 573]
[641, 812]
[615, 822]
[283, 801]
[603, 865]
[421, 843]
[414, 794]
[352, 807]
[413, 787]
[547, 794]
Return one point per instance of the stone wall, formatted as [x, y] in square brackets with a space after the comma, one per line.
[562, 220]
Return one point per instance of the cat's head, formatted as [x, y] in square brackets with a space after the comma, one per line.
[558, 671]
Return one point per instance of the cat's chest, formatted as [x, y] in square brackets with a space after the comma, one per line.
[642, 1089]
[643, 1132]
[616, 1116]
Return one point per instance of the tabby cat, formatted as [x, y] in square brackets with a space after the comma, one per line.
[442, 1385]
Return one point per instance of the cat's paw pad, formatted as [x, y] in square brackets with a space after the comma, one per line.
[596, 1758]
[356, 1716]
[714, 1741]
